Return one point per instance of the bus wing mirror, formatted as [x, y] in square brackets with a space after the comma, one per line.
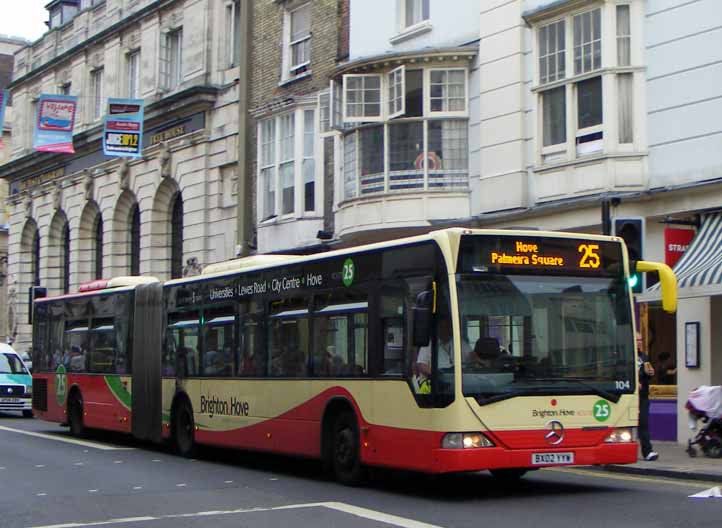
[423, 318]
[668, 282]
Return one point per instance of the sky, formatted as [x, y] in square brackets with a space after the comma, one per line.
[23, 18]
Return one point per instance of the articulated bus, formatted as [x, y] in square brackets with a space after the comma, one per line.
[459, 350]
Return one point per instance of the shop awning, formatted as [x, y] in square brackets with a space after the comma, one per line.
[699, 271]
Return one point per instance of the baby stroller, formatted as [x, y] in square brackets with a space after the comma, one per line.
[705, 404]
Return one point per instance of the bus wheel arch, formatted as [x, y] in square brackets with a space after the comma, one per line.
[75, 412]
[341, 442]
[183, 425]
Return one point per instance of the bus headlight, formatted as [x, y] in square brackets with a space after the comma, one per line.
[28, 390]
[465, 441]
[622, 435]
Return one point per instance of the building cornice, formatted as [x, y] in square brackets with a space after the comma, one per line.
[365, 64]
[554, 9]
[118, 26]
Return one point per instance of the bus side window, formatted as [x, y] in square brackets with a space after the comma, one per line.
[288, 338]
[102, 346]
[393, 334]
[76, 346]
[219, 341]
[56, 345]
[183, 330]
[253, 360]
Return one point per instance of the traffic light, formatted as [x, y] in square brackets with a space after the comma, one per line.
[35, 292]
[631, 230]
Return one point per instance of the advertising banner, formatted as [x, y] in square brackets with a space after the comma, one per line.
[4, 94]
[54, 123]
[123, 128]
[676, 242]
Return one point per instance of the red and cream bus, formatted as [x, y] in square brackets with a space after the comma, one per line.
[459, 350]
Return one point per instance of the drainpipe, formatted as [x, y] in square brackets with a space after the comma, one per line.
[242, 214]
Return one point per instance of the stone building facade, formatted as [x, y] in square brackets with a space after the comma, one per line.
[85, 216]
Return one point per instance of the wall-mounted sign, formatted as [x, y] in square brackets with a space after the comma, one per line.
[54, 123]
[676, 242]
[123, 128]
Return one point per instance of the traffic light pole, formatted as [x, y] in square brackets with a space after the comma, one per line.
[606, 218]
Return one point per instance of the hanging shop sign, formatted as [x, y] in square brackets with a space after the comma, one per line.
[54, 123]
[123, 128]
[676, 242]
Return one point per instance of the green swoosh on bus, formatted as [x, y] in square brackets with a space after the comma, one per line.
[119, 391]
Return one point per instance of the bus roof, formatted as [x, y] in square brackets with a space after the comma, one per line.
[100, 285]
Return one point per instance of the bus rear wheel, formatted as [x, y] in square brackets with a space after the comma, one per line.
[184, 431]
[75, 416]
[346, 456]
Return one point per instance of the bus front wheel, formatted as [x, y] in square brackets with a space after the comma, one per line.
[185, 430]
[75, 416]
[346, 449]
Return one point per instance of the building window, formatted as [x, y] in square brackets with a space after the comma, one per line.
[98, 248]
[176, 247]
[35, 262]
[414, 12]
[287, 153]
[297, 51]
[404, 92]
[233, 15]
[135, 240]
[571, 86]
[66, 258]
[133, 61]
[96, 87]
[171, 62]
[624, 36]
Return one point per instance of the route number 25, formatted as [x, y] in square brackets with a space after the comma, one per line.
[589, 256]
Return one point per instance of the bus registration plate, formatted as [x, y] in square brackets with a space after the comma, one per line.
[9, 400]
[543, 459]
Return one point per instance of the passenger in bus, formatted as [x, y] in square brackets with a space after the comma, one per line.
[76, 362]
[487, 352]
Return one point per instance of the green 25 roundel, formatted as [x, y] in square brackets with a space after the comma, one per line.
[349, 272]
[602, 410]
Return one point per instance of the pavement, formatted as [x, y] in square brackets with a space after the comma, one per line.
[674, 462]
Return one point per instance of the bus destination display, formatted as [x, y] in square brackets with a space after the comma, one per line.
[540, 255]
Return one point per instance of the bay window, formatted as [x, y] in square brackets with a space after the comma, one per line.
[404, 131]
[572, 85]
[287, 165]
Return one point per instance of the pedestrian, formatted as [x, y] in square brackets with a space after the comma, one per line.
[646, 372]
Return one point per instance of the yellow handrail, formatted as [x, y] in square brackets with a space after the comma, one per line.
[667, 280]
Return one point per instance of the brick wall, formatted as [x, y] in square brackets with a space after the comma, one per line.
[265, 59]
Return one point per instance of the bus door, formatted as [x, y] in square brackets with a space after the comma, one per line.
[147, 339]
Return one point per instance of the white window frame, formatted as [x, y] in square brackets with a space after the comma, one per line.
[608, 70]
[292, 71]
[133, 67]
[403, 8]
[427, 94]
[97, 80]
[396, 81]
[299, 116]
[363, 118]
[170, 72]
[233, 9]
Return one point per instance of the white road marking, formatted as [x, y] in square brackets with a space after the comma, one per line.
[156, 460]
[85, 443]
[78, 464]
[39, 465]
[632, 478]
[137, 487]
[180, 485]
[357, 511]
[40, 494]
[273, 478]
[117, 462]
[226, 482]
[93, 491]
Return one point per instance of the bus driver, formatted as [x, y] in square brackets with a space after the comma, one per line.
[445, 355]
